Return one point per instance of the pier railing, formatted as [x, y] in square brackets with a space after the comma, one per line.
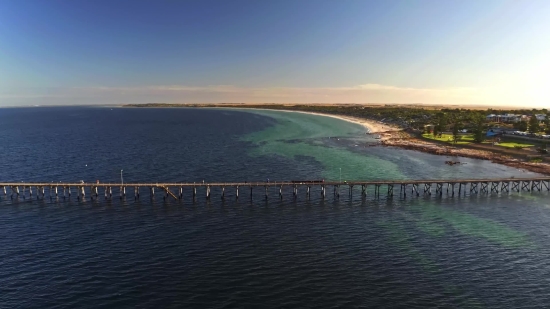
[178, 191]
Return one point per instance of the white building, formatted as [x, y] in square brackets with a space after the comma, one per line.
[540, 117]
[504, 118]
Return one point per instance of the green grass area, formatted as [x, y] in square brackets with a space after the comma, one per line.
[462, 139]
[514, 145]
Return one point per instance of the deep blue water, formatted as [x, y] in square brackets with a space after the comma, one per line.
[468, 252]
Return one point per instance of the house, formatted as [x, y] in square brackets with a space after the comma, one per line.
[504, 118]
[540, 117]
[429, 128]
[510, 118]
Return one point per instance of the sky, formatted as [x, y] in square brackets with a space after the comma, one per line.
[279, 51]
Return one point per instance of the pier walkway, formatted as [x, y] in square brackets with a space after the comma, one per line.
[179, 191]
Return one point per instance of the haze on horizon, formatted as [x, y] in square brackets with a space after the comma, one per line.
[286, 51]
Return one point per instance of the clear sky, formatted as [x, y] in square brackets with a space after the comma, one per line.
[343, 51]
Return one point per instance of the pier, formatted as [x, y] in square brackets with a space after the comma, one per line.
[181, 191]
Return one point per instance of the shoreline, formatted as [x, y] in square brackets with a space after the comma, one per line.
[372, 126]
[416, 144]
[394, 137]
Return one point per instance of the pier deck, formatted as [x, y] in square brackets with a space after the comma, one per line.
[270, 183]
[417, 187]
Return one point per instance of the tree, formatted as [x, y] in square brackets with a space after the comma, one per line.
[442, 122]
[478, 122]
[546, 122]
[534, 126]
[520, 126]
[436, 130]
[456, 127]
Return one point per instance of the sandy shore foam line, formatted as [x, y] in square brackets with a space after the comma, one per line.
[372, 126]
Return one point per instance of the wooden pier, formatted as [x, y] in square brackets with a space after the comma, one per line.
[180, 191]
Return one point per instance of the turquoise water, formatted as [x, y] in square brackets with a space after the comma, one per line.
[295, 136]
[336, 144]
[298, 135]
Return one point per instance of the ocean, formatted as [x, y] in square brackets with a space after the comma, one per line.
[478, 251]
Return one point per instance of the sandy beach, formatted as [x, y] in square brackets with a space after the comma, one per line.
[372, 126]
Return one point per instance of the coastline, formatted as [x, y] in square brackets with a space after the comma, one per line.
[393, 136]
[451, 151]
[372, 126]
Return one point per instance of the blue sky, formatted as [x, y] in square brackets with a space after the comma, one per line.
[431, 51]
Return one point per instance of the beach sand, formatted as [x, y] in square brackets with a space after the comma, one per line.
[372, 126]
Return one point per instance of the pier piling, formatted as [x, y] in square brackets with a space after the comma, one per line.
[484, 186]
[428, 189]
[494, 187]
[505, 187]
[415, 189]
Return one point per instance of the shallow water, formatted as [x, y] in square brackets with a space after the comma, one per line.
[471, 252]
